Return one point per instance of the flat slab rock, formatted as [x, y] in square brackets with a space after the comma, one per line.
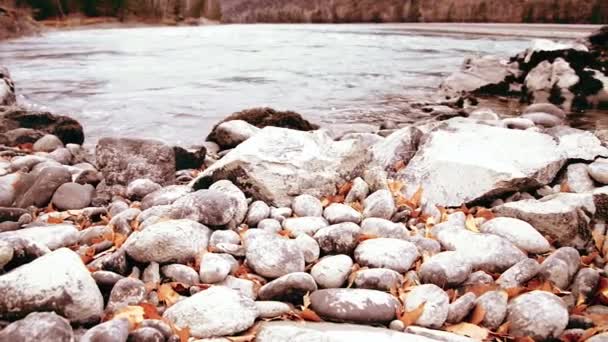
[278, 164]
[462, 162]
[354, 305]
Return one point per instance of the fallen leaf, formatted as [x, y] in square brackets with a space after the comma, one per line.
[353, 275]
[479, 313]
[410, 318]
[470, 224]
[485, 213]
[243, 270]
[524, 339]
[395, 186]
[284, 233]
[306, 301]
[516, 291]
[310, 316]
[133, 313]
[364, 237]
[88, 255]
[183, 334]
[469, 330]
[150, 311]
[54, 220]
[598, 319]
[599, 239]
[565, 187]
[167, 294]
[586, 260]
[480, 289]
[119, 239]
[417, 197]
[602, 290]
[503, 330]
[357, 206]
[398, 165]
[345, 188]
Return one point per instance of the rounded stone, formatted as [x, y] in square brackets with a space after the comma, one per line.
[309, 247]
[332, 271]
[127, 291]
[146, 334]
[290, 287]
[39, 326]
[383, 228]
[538, 314]
[461, 307]
[494, 304]
[307, 205]
[381, 279]
[379, 204]
[258, 211]
[273, 256]
[548, 108]
[216, 267]
[112, 330]
[519, 274]
[270, 225]
[72, 196]
[6, 253]
[181, 274]
[224, 236]
[341, 238]
[436, 305]
[585, 283]
[340, 213]
[560, 267]
[518, 232]
[354, 305]
[272, 309]
[446, 269]
[304, 225]
[48, 143]
[598, 170]
[394, 254]
[140, 188]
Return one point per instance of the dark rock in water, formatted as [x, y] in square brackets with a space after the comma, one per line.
[20, 136]
[39, 326]
[185, 159]
[65, 128]
[262, 117]
[123, 160]
[599, 38]
[40, 193]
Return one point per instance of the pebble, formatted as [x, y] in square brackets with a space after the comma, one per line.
[273, 256]
[332, 271]
[146, 334]
[538, 314]
[39, 326]
[106, 279]
[578, 179]
[396, 325]
[394, 254]
[272, 309]
[307, 205]
[151, 274]
[547, 108]
[461, 307]
[238, 197]
[127, 291]
[304, 225]
[217, 311]
[354, 305]
[380, 227]
[48, 143]
[560, 267]
[258, 211]
[446, 269]
[168, 241]
[543, 119]
[270, 225]
[43, 188]
[381, 279]
[436, 305]
[73, 196]
[181, 274]
[494, 304]
[358, 192]
[341, 238]
[113, 330]
[310, 248]
[165, 196]
[340, 213]
[290, 287]
[209, 207]
[436, 335]
[518, 232]
[216, 267]
[140, 188]
[478, 278]
[598, 170]
[51, 236]
[519, 274]
[380, 204]
[224, 236]
[585, 283]
[6, 253]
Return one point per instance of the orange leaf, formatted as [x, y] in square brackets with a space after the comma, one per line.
[88, 255]
[417, 197]
[480, 289]
[364, 237]
[243, 270]
[133, 313]
[183, 334]
[564, 187]
[309, 315]
[485, 213]
[524, 339]
[410, 318]
[357, 206]
[54, 220]
[353, 274]
[150, 311]
[599, 319]
[395, 186]
[470, 224]
[516, 291]
[471, 330]
[503, 330]
[399, 165]
[119, 239]
[284, 233]
[588, 259]
[345, 188]
[479, 313]
[602, 290]
[167, 294]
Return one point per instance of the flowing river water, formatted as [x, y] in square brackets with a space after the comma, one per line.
[174, 83]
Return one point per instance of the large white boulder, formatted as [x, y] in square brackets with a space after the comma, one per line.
[476, 73]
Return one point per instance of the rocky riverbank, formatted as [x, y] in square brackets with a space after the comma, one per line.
[14, 23]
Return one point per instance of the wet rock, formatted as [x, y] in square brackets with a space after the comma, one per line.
[123, 160]
[507, 170]
[127, 291]
[57, 281]
[518, 232]
[187, 159]
[461, 307]
[400, 146]
[358, 192]
[340, 238]
[309, 246]
[548, 108]
[39, 326]
[146, 334]
[290, 287]
[304, 225]
[436, 305]
[477, 73]
[381, 279]
[332, 271]
[340, 213]
[272, 256]
[307, 205]
[210, 207]
[258, 211]
[181, 274]
[560, 267]
[224, 236]
[585, 283]
[174, 240]
[486, 252]
[383, 228]
[140, 188]
[394, 254]
[494, 304]
[446, 269]
[43, 188]
[272, 309]
[598, 170]
[52, 236]
[519, 274]
[231, 133]
[113, 330]
[305, 163]
[379, 204]
[164, 196]
[65, 128]
[217, 311]
[237, 196]
[538, 314]
[354, 305]
[73, 196]
[216, 267]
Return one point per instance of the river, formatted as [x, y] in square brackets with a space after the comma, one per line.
[174, 83]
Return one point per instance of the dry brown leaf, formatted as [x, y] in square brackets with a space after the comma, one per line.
[599, 239]
[417, 197]
[479, 313]
[470, 224]
[602, 290]
[364, 237]
[54, 220]
[357, 206]
[119, 239]
[345, 188]
[503, 330]
[183, 334]
[565, 187]
[88, 255]
[150, 311]
[134, 225]
[306, 301]
[480, 289]
[167, 294]
[395, 186]
[399, 165]
[586, 260]
[469, 330]
[598, 319]
[310, 316]
[353, 275]
[516, 291]
[410, 318]
[485, 213]
[524, 339]
[284, 233]
[133, 313]
[243, 270]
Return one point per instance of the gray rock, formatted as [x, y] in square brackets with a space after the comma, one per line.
[396, 325]
[354, 305]
[288, 287]
[241, 204]
[598, 170]
[57, 281]
[277, 163]
[340, 238]
[272, 309]
[519, 274]
[446, 269]
[51, 236]
[272, 256]
[39, 326]
[48, 143]
[127, 291]
[538, 314]
[217, 311]
[307, 205]
[151, 274]
[280, 214]
[231, 133]
[381, 279]
[73, 196]
[304, 225]
[146, 334]
[585, 283]
[358, 192]
[400, 146]
[436, 305]
[560, 267]
[494, 304]
[168, 241]
[165, 196]
[210, 207]
[379, 204]
[461, 307]
[224, 236]
[383, 228]
[159, 325]
[476, 73]
[181, 274]
[548, 108]
[484, 114]
[518, 232]
[113, 330]
[478, 278]
[9, 186]
[332, 271]
[394, 254]
[140, 188]
[436, 335]
[6, 253]
[543, 119]
[43, 188]
[245, 287]
[123, 160]
[258, 211]
[106, 279]
[309, 246]
[215, 267]
[578, 179]
[574, 143]
[340, 213]
[425, 245]
[507, 170]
